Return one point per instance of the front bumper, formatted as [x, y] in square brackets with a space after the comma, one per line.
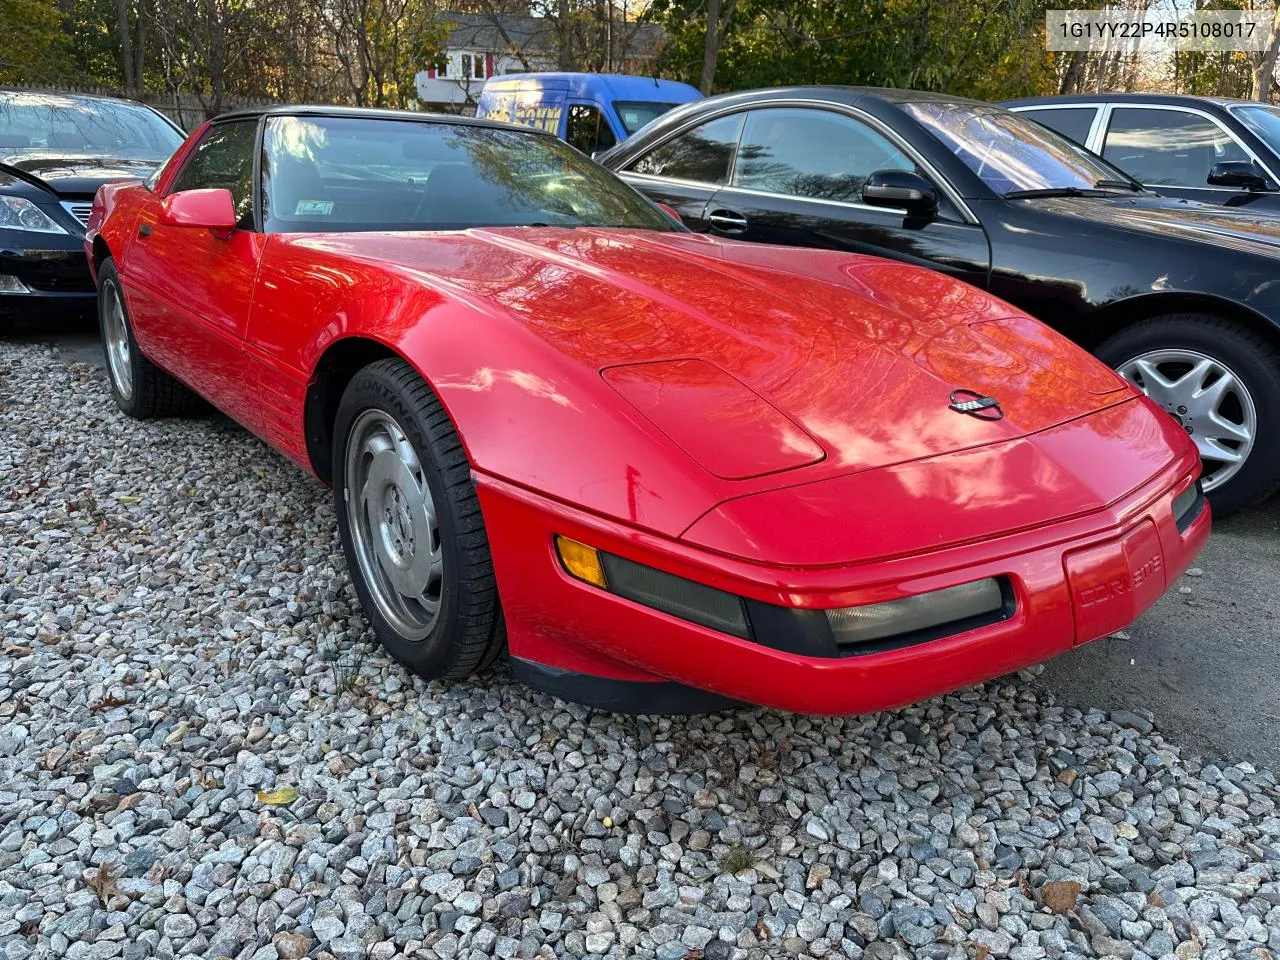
[1071, 582]
[52, 269]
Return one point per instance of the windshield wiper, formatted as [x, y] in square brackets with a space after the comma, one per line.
[1119, 185]
[1047, 192]
[1103, 188]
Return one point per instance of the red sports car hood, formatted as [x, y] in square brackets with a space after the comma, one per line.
[760, 359]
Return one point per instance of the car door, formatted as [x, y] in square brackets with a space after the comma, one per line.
[797, 179]
[1171, 150]
[190, 288]
[686, 170]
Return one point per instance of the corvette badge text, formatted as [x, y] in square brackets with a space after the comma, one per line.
[1120, 586]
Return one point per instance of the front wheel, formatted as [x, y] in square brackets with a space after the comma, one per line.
[1221, 382]
[141, 389]
[411, 527]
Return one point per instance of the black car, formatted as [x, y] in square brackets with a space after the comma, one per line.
[1181, 297]
[55, 151]
[1197, 148]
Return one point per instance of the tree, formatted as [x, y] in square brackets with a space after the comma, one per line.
[719, 18]
[33, 47]
[379, 45]
[1265, 70]
[987, 49]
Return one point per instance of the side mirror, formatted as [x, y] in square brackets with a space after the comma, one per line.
[1237, 173]
[670, 212]
[903, 189]
[212, 209]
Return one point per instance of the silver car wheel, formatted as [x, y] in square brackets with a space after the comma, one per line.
[1208, 399]
[395, 533]
[115, 334]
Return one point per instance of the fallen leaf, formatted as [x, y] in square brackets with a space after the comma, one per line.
[129, 500]
[280, 797]
[109, 702]
[103, 883]
[474, 811]
[1060, 896]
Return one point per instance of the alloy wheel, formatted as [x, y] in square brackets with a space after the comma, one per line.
[1209, 401]
[115, 333]
[393, 520]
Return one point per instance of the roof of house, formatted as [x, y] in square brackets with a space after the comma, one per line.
[537, 35]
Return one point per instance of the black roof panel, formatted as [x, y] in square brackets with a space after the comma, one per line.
[370, 113]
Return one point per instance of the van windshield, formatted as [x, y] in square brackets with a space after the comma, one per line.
[634, 114]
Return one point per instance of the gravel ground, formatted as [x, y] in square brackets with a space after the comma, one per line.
[180, 654]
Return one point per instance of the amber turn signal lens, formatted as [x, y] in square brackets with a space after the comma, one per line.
[581, 561]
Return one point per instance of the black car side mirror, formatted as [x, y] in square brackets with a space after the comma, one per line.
[903, 189]
[1237, 173]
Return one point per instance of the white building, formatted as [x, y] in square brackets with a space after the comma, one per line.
[481, 46]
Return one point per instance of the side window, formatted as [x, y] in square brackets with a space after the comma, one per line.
[1167, 147]
[703, 154]
[587, 129]
[812, 153]
[224, 158]
[1074, 123]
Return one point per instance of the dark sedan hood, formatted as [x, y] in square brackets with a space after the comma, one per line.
[76, 176]
[1225, 227]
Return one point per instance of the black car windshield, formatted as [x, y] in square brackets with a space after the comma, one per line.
[343, 174]
[1013, 154]
[1263, 121]
[41, 123]
[634, 114]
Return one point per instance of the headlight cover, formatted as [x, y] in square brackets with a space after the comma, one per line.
[17, 213]
[1187, 506]
[924, 611]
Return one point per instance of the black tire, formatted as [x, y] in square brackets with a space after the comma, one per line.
[1253, 358]
[468, 632]
[152, 392]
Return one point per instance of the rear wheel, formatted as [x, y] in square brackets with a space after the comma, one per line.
[411, 527]
[141, 389]
[1221, 383]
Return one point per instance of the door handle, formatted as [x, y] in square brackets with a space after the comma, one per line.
[726, 221]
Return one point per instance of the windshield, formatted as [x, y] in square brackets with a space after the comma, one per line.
[43, 123]
[338, 174]
[1012, 153]
[634, 114]
[1263, 121]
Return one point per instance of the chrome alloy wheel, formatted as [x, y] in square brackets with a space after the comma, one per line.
[115, 335]
[1207, 398]
[395, 533]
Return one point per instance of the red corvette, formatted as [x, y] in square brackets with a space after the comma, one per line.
[664, 471]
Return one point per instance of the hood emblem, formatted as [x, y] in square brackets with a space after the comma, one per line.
[976, 405]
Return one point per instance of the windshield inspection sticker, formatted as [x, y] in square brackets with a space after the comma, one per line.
[313, 208]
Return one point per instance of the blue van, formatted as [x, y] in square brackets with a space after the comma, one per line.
[591, 111]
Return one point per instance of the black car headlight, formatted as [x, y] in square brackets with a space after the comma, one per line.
[17, 213]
